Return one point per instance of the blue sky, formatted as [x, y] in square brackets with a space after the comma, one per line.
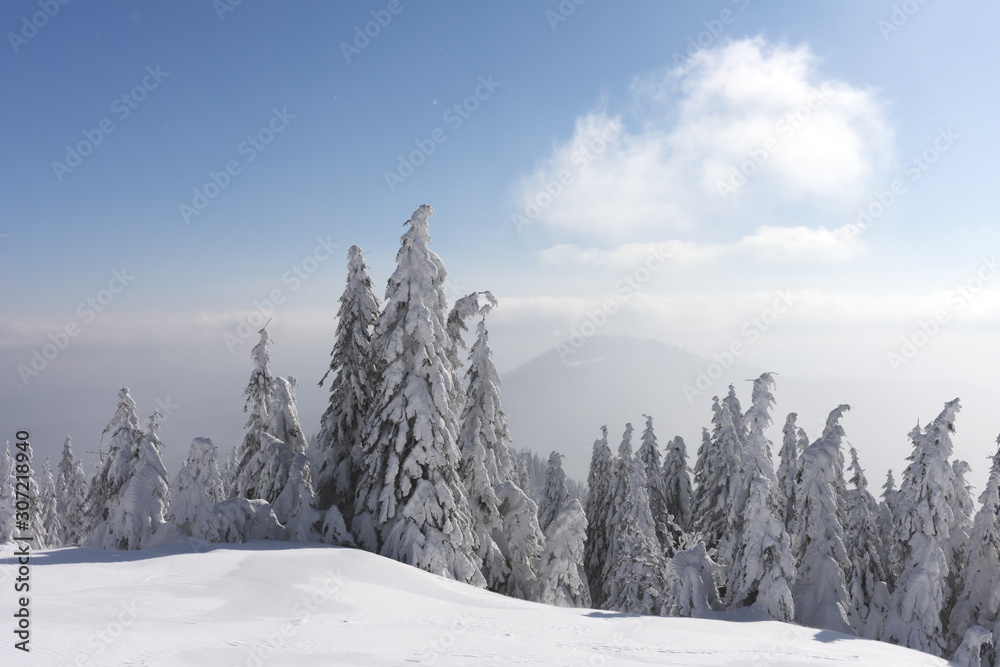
[683, 118]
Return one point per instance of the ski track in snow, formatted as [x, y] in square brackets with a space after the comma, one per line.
[273, 603]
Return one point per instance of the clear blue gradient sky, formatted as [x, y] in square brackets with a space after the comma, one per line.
[901, 80]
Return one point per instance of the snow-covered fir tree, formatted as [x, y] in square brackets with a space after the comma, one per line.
[466, 307]
[262, 460]
[294, 505]
[562, 580]
[598, 510]
[337, 453]
[520, 540]
[114, 471]
[715, 472]
[924, 522]
[521, 475]
[47, 508]
[677, 481]
[555, 495]
[6, 494]
[284, 416]
[963, 509]
[71, 493]
[635, 578]
[788, 468]
[691, 589]
[980, 564]
[821, 590]
[197, 489]
[868, 593]
[668, 533]
[887, 529]
[139, 510]
[758, 549]
[486, 459]
[971, 651]
[763, 573]
[411, 504]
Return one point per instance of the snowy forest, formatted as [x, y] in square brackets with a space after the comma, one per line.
[413, 461]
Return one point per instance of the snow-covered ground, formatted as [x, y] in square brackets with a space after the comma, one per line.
[273, 603]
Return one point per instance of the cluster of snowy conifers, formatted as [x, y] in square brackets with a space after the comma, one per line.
[803, 543]
[410, 461]
[415, 464]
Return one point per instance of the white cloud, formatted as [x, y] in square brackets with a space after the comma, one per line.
[767, 244]
[820, 143]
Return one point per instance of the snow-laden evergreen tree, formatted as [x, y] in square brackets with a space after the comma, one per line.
[520, 540]
[821, 590]
[739, 424]
[464, 308]
[887, 529]
[262, 460]
[47, 508]
[677, 483]
[924, 522]
[636, 577]
[981, 563]
[621, 470]
[294, 505]
[71, 493]
[758, 548]
[197, 489]
[115, 470]
[598, 510]
[139, 510]
[555, 496]
[716, 471]
[691, 589]
[788, 469]
[765, 571]
[521, 475]
[668, 533]
[963, 508]
[411, 504]
[562, 580]
[970, 652]
[866, 581]
[6, 494]
[239, 520]
[486, 458]
[284, 416]
[337, 451]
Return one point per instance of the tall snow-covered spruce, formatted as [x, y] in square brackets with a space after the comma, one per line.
[866, 581]
[140, 508]
[677, 481]
[924, 521]
[667, 531]
[598, 510]
[562, 579]
[483, 442]
[761, 567]
[411, 505]
[978, 577]
[337, 450]
[635, 573]
[262, 461]
[71, 491]
[555, 496]
[114, 471]
[821, 590]
[717, 470]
